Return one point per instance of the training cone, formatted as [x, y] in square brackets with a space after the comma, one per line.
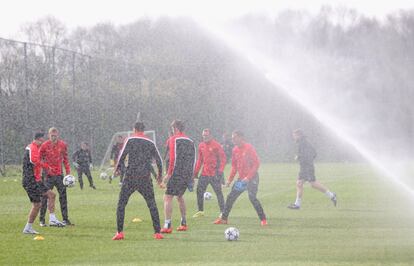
[136, 220]
[38, 238]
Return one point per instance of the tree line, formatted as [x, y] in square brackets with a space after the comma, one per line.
[92, 82]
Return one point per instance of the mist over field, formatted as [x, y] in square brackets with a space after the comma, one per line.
[92, 81]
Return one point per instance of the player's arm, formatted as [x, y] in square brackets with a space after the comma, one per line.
[233, 169]
[199, 162]
[171, 148]
[222, 158]
[35, 158]
[65, 158]
[90, 156]
[112, 156]
[254, 159]
[122, 155]
[75, 156]
[172, 157]
[158, 161]
[41, 154]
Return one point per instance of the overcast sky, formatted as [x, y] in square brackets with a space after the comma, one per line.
[87, 13]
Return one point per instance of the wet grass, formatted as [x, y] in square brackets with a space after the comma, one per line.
[372, 225]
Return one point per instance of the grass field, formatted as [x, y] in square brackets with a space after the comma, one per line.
[372, 225]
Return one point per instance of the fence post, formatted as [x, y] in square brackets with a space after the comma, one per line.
[53, 120]
[26, 100]
[73, 101]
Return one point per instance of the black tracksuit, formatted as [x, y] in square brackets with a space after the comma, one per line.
[83, 158]
[141, 152]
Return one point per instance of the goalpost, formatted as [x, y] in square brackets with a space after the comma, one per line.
[105, 166]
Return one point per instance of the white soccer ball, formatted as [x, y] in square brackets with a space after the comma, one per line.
[207, 196]
[69, 181]
[231, 234]
[103, 175]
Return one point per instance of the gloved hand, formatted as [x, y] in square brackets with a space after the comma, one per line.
[90, 166]
[190, 185]
[240, 185]
[76, 164]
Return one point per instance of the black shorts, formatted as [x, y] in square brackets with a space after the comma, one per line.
[35, 191]
[176, 186]
[307, 175]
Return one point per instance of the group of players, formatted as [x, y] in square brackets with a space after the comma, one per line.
[182, 167]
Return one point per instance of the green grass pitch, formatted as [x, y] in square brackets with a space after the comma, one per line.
[373, 224]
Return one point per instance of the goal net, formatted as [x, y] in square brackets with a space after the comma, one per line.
[106, 166]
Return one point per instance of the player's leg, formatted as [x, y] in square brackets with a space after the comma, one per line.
[216, 184]
[126, 191]
[147, 191]
[252, 188]
[122, 173]
[231, 198]
[35, 199]
[174, 188]
[167, 213]
[299, 193]
[43, 209]
[88, 174]
[181, 204]
[48, 182]
[80, 176]
[319, 186]
[28, 229]
[51, 199]
[201, 189]
[63, 200]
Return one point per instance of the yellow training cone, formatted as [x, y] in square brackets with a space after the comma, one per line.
[136, 220]
[39, 238]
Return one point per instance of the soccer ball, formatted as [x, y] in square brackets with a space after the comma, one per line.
[231, 234]
[207, 196]
[69, 181]
[103, 175]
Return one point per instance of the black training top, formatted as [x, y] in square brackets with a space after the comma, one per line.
[306, 153]
[141, 152]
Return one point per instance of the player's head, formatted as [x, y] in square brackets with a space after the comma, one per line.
[237, 137]
[226, 136]
[119, 139]
[177, 126]
[39, 137]
[206, 135]
[298, 134]
[53, 134]
[139, 126]
[84, 145]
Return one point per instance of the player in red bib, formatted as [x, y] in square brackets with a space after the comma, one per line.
[32, 183]
[246, 163]
[213, 159]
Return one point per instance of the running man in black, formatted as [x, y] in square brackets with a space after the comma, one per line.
[141, 152]
[306, 155]
[179, 175]
[82, 160]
